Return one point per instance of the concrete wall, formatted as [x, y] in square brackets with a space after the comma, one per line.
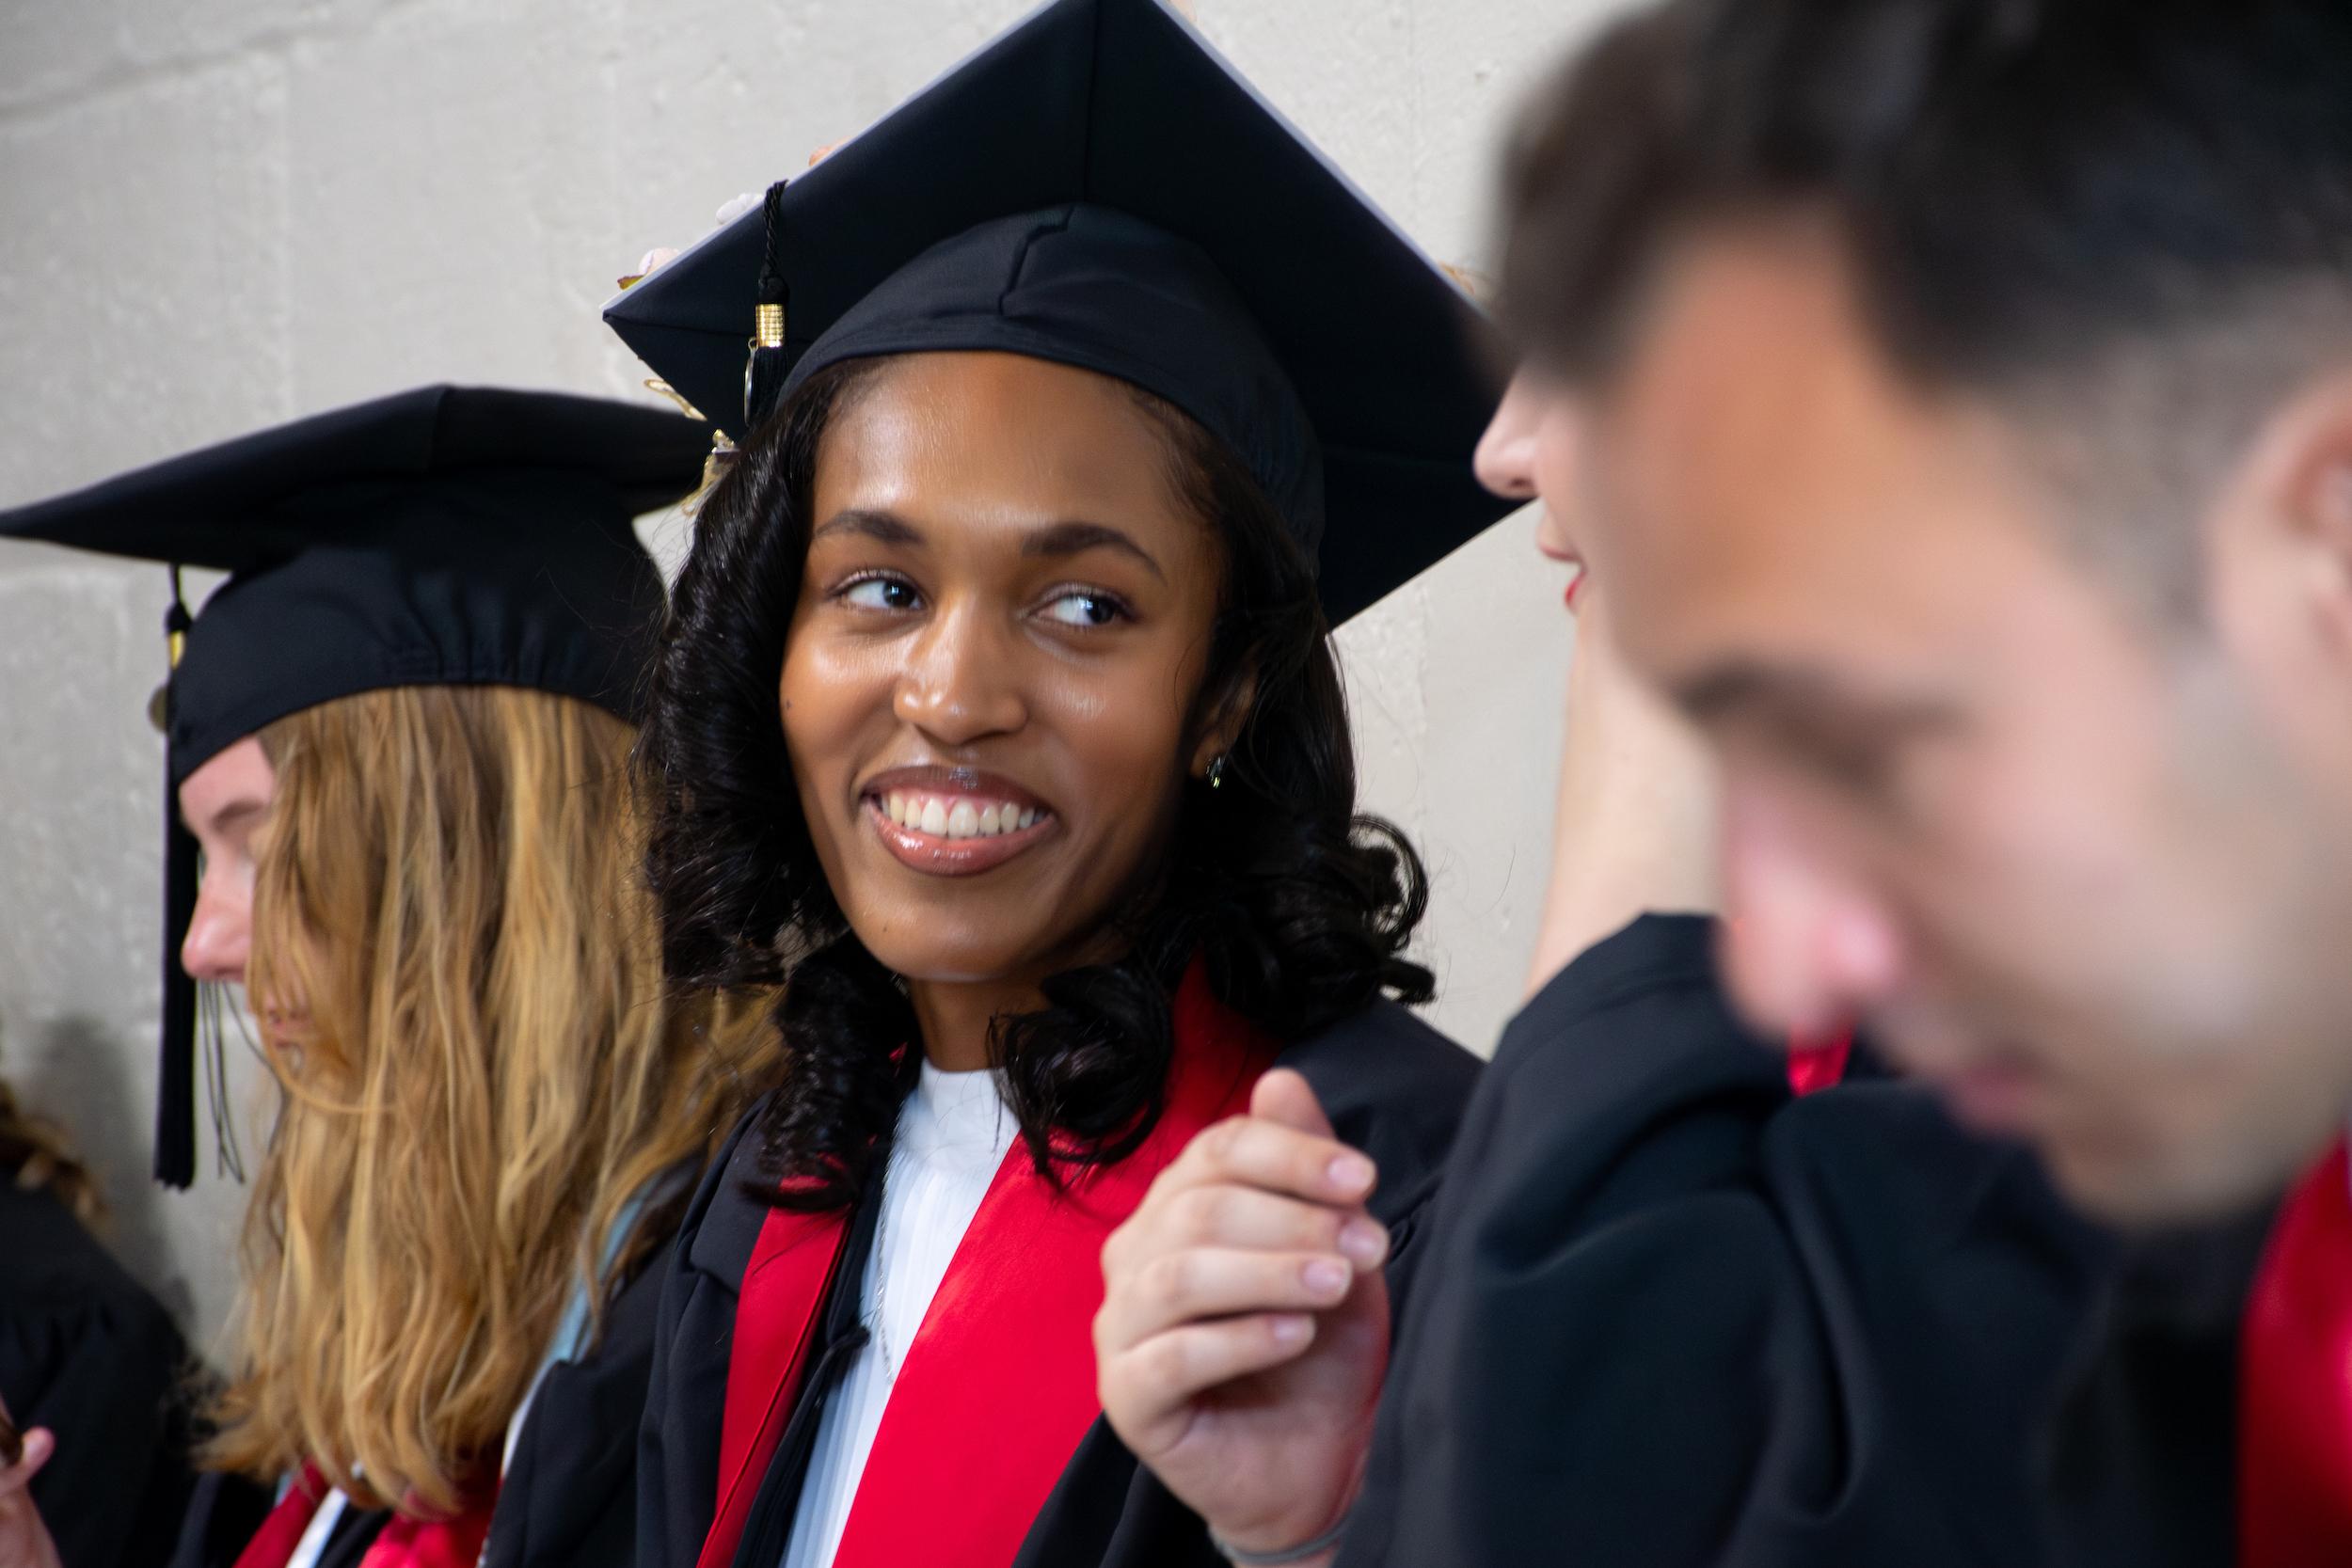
[215, 214]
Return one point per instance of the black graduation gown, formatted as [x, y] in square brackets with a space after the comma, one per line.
[1391, 1085]
[89, 1354]
[569, 1496]
[1681, 1317]
[2142, 1448]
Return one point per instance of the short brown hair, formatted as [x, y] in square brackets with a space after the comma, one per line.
[2131, 218]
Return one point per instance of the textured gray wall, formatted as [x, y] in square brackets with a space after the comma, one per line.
[215, 214]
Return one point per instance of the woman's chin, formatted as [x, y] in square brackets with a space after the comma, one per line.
[946, 959]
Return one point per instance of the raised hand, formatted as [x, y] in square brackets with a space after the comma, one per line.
[1244, 1334]
[1634, 821]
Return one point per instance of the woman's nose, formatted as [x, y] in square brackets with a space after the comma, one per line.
[1506, 458]
[220, 933]
[961, 684]
[1506, 461]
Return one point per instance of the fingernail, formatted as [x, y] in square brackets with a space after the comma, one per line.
[1364, 1241]
[1350, 1173]
[1288, 1330]
[1325, 1277]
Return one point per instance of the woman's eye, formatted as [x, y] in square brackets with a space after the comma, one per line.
[890, 593]
[1083, 607]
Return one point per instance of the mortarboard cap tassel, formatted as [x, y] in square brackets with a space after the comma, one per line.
[175, 1066]
[764, 375]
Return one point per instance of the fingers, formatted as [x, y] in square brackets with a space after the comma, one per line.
[1257, 1226]
[40, 1443]
[1248, 1185]
[1228, 1215]
[1255, 1152]
[1179, 1288]
[1148, 1386]
[1283, 1096]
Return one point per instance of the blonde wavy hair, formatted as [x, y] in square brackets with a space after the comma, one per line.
[455, 967]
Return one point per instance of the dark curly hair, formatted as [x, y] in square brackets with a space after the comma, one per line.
[1299, 907]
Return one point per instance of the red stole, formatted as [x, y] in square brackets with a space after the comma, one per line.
[402, 1542]
[2294, 1386]
[998, 1386]
[273, 1545]
[1815, 1061]
[1819, 1061]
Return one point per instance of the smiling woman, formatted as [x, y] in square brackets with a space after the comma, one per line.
[986, 585]
[996, 723]
[951, 600]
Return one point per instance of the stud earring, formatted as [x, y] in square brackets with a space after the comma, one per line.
[1216, 771]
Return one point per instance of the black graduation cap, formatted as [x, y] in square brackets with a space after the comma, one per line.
[447, 535]
[1098, 187]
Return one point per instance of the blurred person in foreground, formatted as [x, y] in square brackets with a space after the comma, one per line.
[1963, 420]
[1971, 450]
[397, 740]
[91, 1367]
[1680, 1313]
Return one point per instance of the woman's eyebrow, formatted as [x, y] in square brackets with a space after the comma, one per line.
[236, 814]
[882, 527]
[1071, 538]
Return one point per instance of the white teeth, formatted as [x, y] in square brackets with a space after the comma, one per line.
[957, 818]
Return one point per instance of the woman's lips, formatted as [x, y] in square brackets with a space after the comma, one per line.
[953, 822]
[1576, 584]
[943, 854]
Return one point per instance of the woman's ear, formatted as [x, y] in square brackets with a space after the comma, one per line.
[1227, 717]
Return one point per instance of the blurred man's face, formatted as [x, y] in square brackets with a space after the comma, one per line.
[2091, 875]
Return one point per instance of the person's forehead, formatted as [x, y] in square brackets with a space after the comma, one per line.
[1761, 468]
[980, 420]
[238, 775]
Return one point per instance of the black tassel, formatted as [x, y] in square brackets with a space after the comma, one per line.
[763, 376]
[176, 622]
[175, 1066]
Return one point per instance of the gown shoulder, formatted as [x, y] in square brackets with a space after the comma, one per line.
[569, 1498]
[1677, 1315]
[701, 1277]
